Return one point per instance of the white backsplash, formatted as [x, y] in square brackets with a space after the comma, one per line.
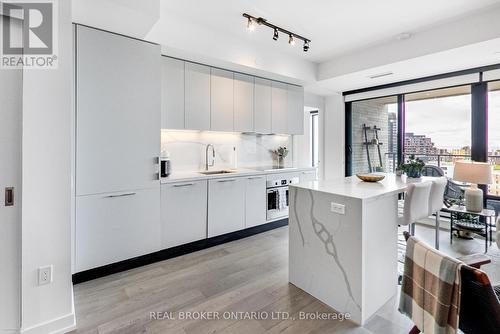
[187, 149]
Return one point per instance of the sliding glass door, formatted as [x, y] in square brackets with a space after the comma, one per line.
[438, 126]
[494, 135]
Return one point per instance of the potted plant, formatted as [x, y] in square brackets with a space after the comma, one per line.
[413, 167]
[281, 153]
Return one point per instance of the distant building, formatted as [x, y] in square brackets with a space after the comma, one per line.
[420, 145]
[392, 149]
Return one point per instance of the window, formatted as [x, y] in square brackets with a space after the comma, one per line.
[314, 139]
[374, 140]
[438, 126]
[494, 135]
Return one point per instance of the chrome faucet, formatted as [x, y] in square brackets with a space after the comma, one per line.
[206, 156]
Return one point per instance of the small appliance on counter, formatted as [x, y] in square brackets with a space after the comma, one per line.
[165, 164]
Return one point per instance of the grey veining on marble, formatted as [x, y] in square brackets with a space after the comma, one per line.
[328, 240]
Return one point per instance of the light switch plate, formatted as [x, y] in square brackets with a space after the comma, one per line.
[337, 208]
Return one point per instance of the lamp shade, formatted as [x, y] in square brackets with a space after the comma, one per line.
[473, 172]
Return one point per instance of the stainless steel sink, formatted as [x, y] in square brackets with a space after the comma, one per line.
[215, 172]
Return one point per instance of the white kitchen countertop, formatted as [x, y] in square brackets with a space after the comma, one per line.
[355, 188]
[197, 176]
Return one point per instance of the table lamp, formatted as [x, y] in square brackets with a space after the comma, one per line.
[474, 173]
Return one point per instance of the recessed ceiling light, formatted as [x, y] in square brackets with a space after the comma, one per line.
[380, 75]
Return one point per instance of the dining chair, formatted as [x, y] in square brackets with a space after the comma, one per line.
[436, 198]
[431, 170]
[416, 204]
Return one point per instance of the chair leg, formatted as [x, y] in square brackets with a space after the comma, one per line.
[414, 330]
[437, 230]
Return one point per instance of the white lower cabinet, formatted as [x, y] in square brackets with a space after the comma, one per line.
[226, 206]
[255, 192]
[116, 226]
[183, 212]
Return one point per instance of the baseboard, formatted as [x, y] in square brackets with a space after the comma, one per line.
[61, 325]
[169, 253]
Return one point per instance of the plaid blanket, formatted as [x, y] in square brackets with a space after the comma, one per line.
[430, 292]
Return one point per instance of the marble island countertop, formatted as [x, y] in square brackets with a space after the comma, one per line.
[355, 188]
[240, 172]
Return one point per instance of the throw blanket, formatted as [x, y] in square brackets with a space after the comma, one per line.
[430, 292]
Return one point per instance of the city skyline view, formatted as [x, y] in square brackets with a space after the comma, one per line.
[447, 120]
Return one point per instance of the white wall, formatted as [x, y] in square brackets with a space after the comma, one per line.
[46, 228]
[334, 137]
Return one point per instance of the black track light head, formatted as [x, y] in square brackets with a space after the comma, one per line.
[276, 34]
[306, 46]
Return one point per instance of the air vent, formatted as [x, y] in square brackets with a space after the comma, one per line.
[380, 75]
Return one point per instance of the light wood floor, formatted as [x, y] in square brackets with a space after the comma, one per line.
[249, 275]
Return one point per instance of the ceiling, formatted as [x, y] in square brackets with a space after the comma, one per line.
[335, 27]
[351, 40]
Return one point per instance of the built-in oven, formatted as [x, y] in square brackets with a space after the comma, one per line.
[277, 196]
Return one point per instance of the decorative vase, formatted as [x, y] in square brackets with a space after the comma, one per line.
[414, 172]
[281, 162]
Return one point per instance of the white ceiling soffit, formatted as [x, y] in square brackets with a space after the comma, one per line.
[417, 87]
[469, 42]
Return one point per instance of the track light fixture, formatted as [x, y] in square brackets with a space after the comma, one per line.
[306, 46]
[252, 21]
[250, 24]
[276, 34]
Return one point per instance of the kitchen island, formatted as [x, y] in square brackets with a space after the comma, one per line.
[343, 242]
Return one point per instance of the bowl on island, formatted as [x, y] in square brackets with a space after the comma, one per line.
[371, 177]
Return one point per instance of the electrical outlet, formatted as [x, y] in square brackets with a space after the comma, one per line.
[337, 208]
[44, 275]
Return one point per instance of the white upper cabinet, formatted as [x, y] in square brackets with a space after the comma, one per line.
[262, 106]
[172, 114]
[221, 100]
[279, 107]
[243, 102]
[295, 107]
[197, 97]
[118, 83]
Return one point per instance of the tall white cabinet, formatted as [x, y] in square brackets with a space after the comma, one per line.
[221, 100]
[244, 88]
[295, 110]
[118, 94]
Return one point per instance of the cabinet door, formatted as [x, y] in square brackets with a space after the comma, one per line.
[116, 226]
[172, 114]
[197, 97]
[221, 100]
[262, 106]
[183, 213]
[255, 211]
[243, 102]
[279, 108]
[308, 175]
[118, 112]
[295, 107]
[226, 206]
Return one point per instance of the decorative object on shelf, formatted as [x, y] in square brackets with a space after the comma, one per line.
[374, 142]
[252, 21]
[370, 177]
[281, 153]
[412, 167]
[474, 173]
